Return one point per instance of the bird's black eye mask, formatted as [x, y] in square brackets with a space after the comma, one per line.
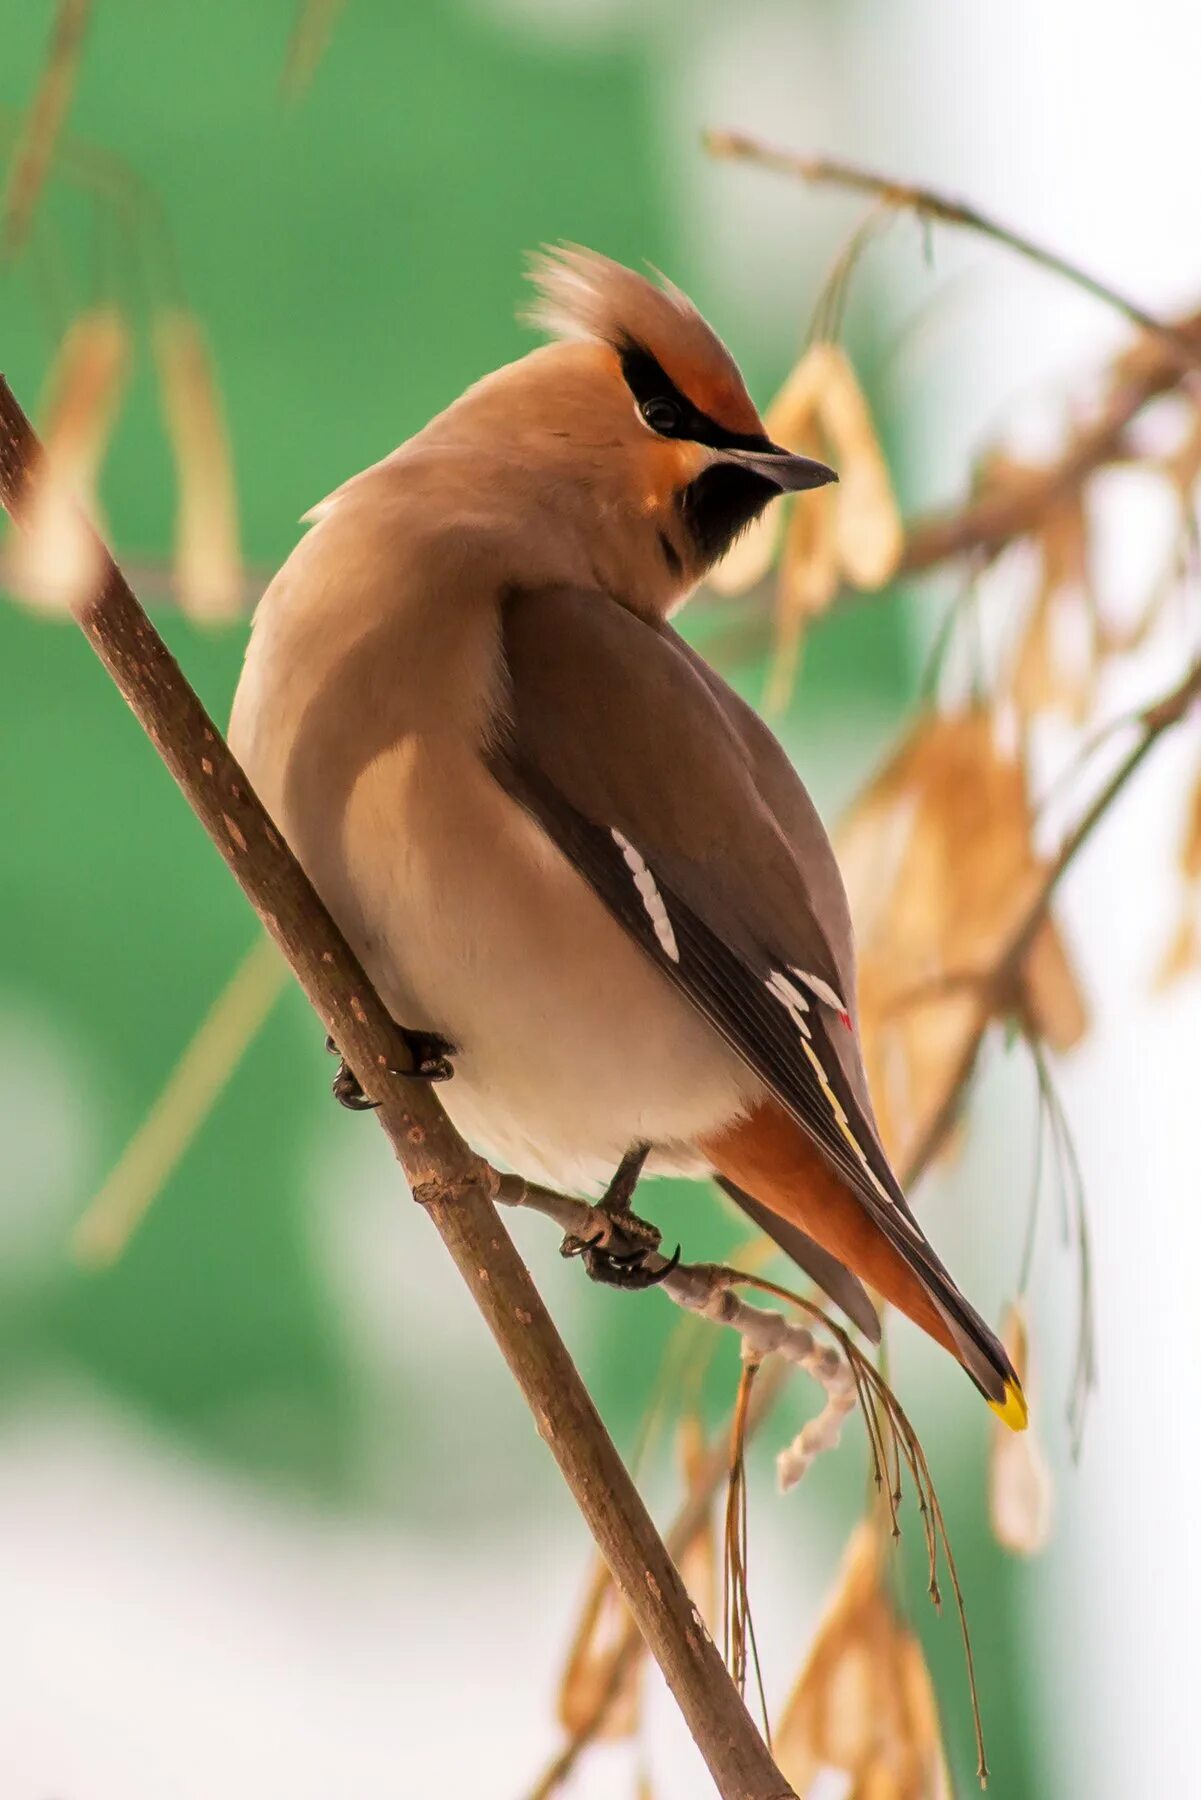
[670, 413]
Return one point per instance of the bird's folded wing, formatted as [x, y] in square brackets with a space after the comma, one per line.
[630, 761]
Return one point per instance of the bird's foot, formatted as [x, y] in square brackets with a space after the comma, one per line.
[430, 1056]
[347, 1089]
[640, 1267]
[624, 1251]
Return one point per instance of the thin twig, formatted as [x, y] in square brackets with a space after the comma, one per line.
[452, 1184]
[995, 517]
[992, 519]
[928, 203]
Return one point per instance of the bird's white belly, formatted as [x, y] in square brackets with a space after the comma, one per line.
[571, 1045]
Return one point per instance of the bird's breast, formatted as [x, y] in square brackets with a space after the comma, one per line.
[572, 1044]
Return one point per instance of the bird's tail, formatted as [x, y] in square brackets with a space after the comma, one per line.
[772, 1159]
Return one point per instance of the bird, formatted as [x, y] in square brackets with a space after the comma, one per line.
[580, 870]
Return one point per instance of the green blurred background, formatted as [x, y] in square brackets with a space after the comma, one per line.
[276, 1415]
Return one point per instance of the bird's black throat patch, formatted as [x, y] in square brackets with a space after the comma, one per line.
[720, 503]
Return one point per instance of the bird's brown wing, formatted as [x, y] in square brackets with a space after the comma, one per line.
[608, 736]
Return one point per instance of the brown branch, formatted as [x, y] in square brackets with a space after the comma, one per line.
[683, 1529]
[453, 1185]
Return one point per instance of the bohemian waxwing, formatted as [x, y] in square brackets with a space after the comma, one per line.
[554, 836]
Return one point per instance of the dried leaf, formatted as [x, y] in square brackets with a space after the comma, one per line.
[187, 1099]
[56, 562]
[1054, 999]
[1190, 849]
[208, 563]
[1182, 955]
[808, 582]
[1184, 951]
[1019, 1479]
[870, 536]
[1183, 465]
[698, 1562]
[44, 121]
[863, 1705]
[1059, 658]
[311, 33]
[788, 421]
[750, 556]
[588, 1675]
[855, 527]
[790, 417]
[940, 869]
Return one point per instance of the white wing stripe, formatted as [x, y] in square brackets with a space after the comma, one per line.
[790, 998]
[824, 992]
[649, 894]
[796, 1005]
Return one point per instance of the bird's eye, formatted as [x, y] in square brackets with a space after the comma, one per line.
[662, 415]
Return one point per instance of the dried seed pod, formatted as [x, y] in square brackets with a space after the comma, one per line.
[698, 1562]
[750, 556]
[788, 421]
[1019, 1480]
[207, 559]
[1053, 997]
[56, 562]
[1182, 955]
[1182, 465]
[605, 1627]
[1053, 673]
[31, 160]
[587, 1686]
[790, 417]
[1190, 849]
[869, 532]
[863, 1705]
[808, 582]
[311, 33]
[1184, 951]
[940, 867]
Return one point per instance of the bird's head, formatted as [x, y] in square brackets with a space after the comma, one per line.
[641, 372]
[638, 414]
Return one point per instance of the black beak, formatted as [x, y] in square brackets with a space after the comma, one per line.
[790, 473]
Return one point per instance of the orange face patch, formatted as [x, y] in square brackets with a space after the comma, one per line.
[666, 466]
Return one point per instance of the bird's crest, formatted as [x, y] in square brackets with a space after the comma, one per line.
[584, 295]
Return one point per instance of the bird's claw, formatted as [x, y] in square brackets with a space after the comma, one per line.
[348, 1090]
[430, 1056]
[630, 1269]
[430, 1062]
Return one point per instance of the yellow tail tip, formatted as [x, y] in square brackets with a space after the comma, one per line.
[1012, 1409]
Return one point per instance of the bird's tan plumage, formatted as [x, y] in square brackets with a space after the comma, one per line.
[551, 832]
